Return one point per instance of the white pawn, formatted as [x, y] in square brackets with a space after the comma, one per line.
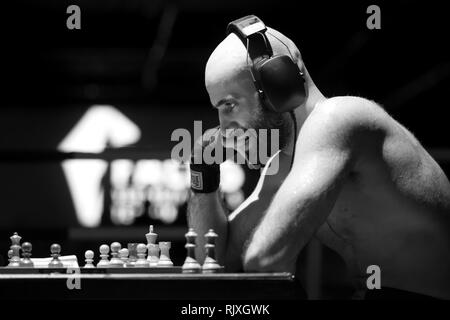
[89, 258]
[115, 261]
[55, 250]
[164, 258]
[123, 254]
[104, 262]
[26, 262]
[141, 261]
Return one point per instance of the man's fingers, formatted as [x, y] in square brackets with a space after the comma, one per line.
[211, 138]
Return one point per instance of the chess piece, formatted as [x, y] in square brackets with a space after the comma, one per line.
[104, 254]
[14, 262]
[55, 250]
[151, 236]
[164, 258]
[132, 258]
[153, 254]
[123, 255]
[151, 239]
[26, 254]
[141, 261]
[89, 259]
[210, 265]
[190, 264]
[115, 261]
[10, 254]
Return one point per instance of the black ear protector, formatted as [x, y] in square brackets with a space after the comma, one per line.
[277, 78]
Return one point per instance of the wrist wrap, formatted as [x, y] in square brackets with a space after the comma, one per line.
[205, 178]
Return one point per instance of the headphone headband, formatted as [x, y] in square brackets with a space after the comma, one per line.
[246, 26]
[278, 79]
[252, 32]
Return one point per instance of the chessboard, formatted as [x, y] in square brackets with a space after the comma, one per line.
[136, 271]
[82, 270]
[135, 258]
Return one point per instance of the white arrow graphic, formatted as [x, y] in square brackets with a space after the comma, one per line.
[99, 126]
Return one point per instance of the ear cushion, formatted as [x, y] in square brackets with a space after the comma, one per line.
[281, 82]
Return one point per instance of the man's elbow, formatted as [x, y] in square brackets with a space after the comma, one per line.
[257, 264]
[256, 261]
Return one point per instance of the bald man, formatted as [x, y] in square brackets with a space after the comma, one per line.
[360, 182]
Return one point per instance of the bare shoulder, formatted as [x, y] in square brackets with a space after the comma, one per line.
[347, 119]
[350, 111]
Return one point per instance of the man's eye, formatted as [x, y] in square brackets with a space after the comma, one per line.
[230, 105]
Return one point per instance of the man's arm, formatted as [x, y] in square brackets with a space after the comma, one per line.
[327, 149]
[205, 211]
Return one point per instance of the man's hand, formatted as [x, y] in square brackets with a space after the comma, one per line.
[205, 162]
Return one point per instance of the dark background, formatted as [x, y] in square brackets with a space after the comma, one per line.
[147, 59]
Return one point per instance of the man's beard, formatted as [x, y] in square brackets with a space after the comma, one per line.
[270, 120]
[263, 136]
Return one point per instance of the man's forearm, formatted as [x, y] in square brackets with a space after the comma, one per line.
[205, 211]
